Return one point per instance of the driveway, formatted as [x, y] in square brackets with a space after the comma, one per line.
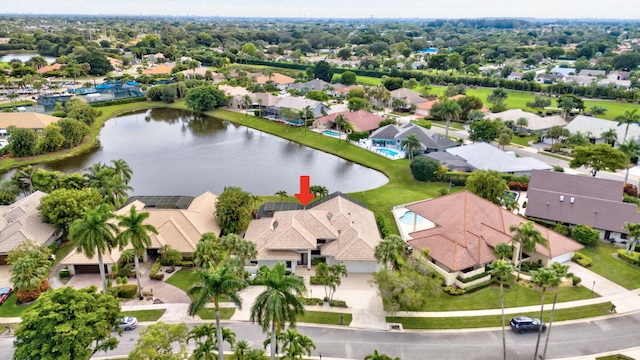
[5, 276]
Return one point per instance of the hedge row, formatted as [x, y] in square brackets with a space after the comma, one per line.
[633, 259]
[582, 259]
[118, 101]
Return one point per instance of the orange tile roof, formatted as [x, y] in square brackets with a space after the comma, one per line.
[161, 69]
[277, 78]
[48, 68]
[468, 227]
[361, 120]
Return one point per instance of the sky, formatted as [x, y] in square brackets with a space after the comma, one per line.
[612, 9]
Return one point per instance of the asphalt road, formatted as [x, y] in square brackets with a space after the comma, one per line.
[567, 340]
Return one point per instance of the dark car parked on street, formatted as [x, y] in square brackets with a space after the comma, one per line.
[522, 324]
[4, 294]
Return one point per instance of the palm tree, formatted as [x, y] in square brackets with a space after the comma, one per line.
[527, 237]
[203, 350]
[378, 356]
[242, 347]
[308, 114]
[247, 102]
[446, 109]
[631, 148]
[268, 73]
[497, 97]
[214, 283]
[597, 110]
[410, 144]
[522, 122]
[136, 233]
[397, 104]
[282, 194]
[278, 304]
[93, 233]
[295, 345]
[633, 229]
[560, 271]
[545, 278]
[390, 250]
[502, 270]
[340, 121]
[8, 192]
[209, 251]
[566, 103]
[123, 169]
[503, 251]
[629, 117]
[610, 136]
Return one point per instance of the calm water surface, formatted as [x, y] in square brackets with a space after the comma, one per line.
[24, 57]
[172, 152]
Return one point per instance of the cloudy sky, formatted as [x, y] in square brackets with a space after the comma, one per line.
[612, 9]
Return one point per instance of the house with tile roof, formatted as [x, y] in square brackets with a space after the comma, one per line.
[408, 96]
[337, 229]
[21, 221]
[462, 229]
[315, 85]
[180, 228]
[53, 67]
[162, 69]
[258, 100]
[391, 136]
[424, 108]
[295, 103]
[586, 200]
[534, 121]
[594, 127]
[279, 80]
[483, 156]
[27, 120]
[362, 120]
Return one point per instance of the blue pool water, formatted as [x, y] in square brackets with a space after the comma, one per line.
[331, 133]
[511, 195]
[388, 152]
[409, 217]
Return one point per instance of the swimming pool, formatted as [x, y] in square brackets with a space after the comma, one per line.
[411, 218]
[388, 152]
[331, 133]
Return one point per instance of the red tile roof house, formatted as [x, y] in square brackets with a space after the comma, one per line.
[338, 229]
[574, 199]
[361, 120]
[462, 229]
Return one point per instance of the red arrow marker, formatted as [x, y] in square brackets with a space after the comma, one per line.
[305, 195]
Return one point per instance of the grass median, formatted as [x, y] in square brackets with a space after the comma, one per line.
[145, 315]
[468, 322]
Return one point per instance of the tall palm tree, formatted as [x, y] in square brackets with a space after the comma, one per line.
[526, 235]
[295, 345]
[410, 144]
[123, 169]
[242, 347]
[389, 251]
[93, 233]
[631, 148]
[136, 233]
[566, 104]
[379, 356]
[446, 109]
[560, 272]
[209, 251]
[503, 251]
[502, 270]
[282, 194]
[544, 278]
[629, 117]
[278, 304]
[214, 283]
[340, 121]
[610, 136]
[522, 122]
[634, 233]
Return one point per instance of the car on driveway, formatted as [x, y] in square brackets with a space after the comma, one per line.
[127, 323]
[4, 294]
[522, 324]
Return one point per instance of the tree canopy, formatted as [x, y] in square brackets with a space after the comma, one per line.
[598, 157]
[488, 184]
[204, 98]
[233, 210]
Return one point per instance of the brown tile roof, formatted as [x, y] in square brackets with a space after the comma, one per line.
[28, 120]
[48, 68]
[596, 202]
[21, 221]
[429, 104]
[346, 89]
[180, 229]
[350, 229]
[162, 69]
[277, 78]
[361, 120]
[467, 227]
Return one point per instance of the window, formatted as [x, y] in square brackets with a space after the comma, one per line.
[288, 264]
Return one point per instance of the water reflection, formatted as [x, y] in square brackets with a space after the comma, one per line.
[173, 152]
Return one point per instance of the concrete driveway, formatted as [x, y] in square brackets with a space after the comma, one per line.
[5, 275]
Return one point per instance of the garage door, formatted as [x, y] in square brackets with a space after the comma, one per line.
[362, 267]
[87, 269]
[3, 259]
[562, 258]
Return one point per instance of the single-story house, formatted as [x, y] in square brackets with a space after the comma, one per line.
[483, 156]
[361, 120]
[424, 108]
[279, 80]
[620, 84]
[46, 69]
[193, 73]
[586, 200]
[462, 229]
[515, 76]
[296, 103]
[594, 127]
[258, 100]
[343, 90]
[450, 161]
[619, 75]
[234, 90]
[589, 72]
[534, 121]
[338, 229]
[408, 96]
[27, 120]
[315, 84]
[563, 71]
[546, 78]
[162, 69]
[180, 222]
[391, 136]
[578, 79]
[21, 221]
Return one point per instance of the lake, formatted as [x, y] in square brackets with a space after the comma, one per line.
[24, 57]
[172, 152]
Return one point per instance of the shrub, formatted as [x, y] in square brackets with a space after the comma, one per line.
[357, 135]
[312, 301]
[576, 280]
[631, 190]
[314, 281]
[452, 290]
[558, 168]
[187, 263]
[338, 303]
[64, 273]
[119, 101]
[474, 277]
[127, 291]
[382, 226]
[561, 229]
[582, 259]
[31, 295]
[424, 169]
[633, 259]
[626, 198]
[153, 274]
[124, 272]
[585, 234]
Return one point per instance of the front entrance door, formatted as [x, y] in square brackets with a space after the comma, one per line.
[303, 259]
[607, 234]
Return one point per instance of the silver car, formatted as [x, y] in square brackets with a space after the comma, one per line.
[127, 323]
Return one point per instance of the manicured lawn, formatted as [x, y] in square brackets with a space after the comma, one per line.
[609, 266]
[10, 309]
[210, 313]
[145, 315]
[183, 279]
[496, 320]
[523, 141]
[321, 317]
[63, 251]
[452, 124]
[489, 298]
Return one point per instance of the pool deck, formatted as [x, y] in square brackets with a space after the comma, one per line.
[366, 144]
[406, 229]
